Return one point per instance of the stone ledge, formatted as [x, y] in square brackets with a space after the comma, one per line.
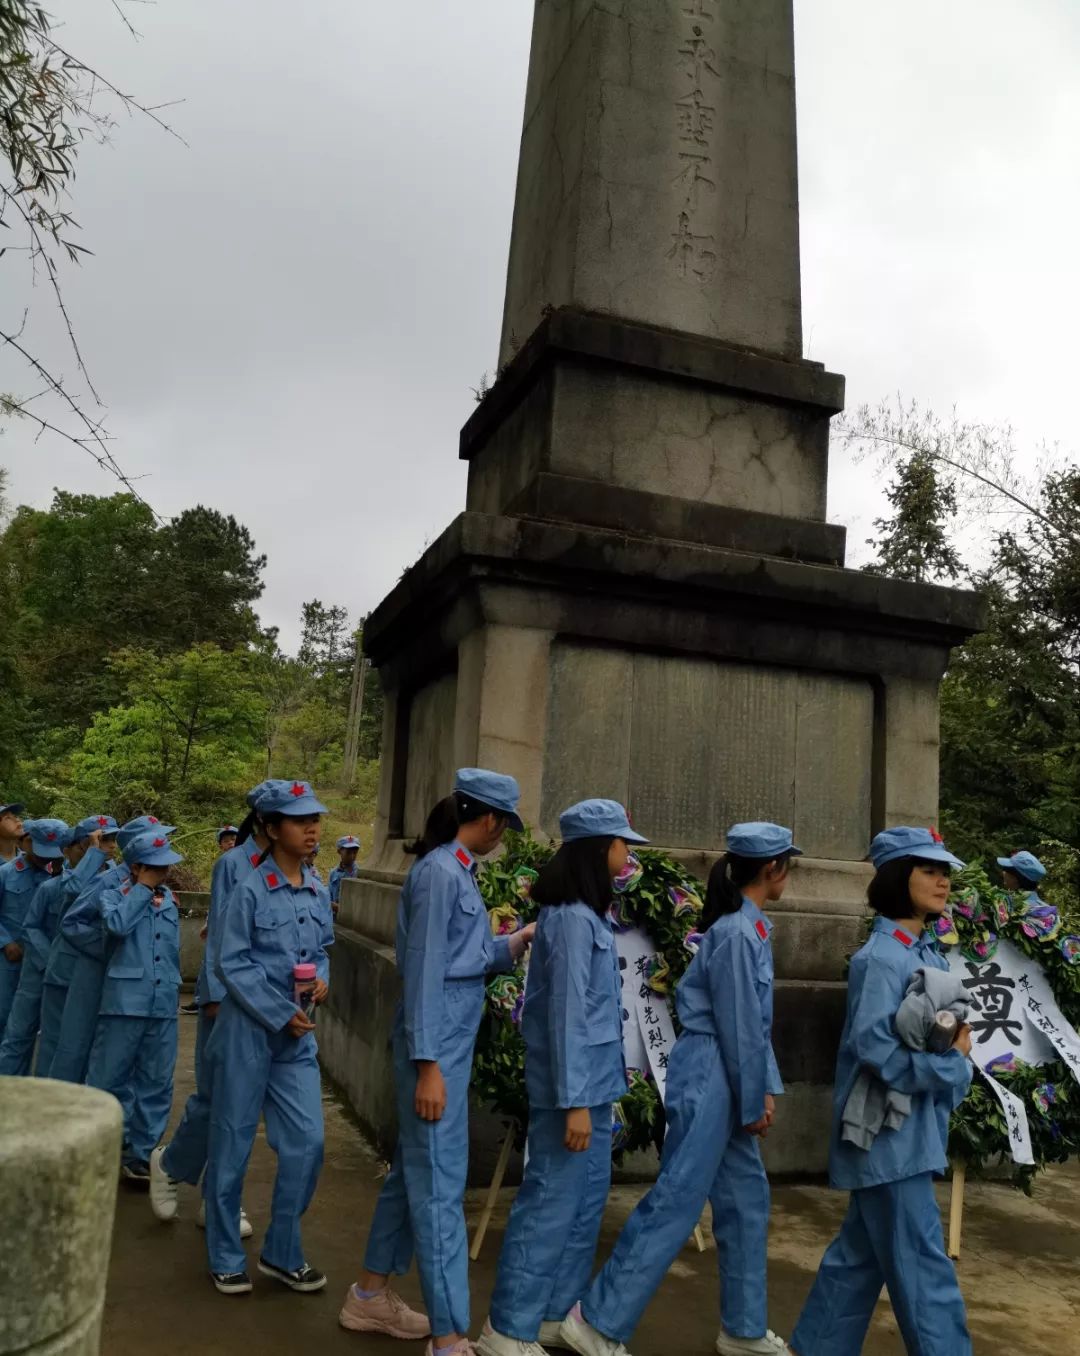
[586, 560]
[607, 339]
[641, 513]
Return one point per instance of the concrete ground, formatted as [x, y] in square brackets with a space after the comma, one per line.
[1020, 1270]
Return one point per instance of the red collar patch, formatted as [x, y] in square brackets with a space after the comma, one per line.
[20, 865]
[464, 858]
[272, 881]
[761, 930]
[255, 858]
[902, 937]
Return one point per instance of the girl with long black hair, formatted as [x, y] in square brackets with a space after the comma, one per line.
[721, 1085]
[574, 1071]
[445, 949]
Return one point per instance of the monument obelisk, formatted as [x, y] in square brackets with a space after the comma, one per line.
[643, 599]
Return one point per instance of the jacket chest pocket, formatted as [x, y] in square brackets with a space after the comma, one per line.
[272, 931]
[603, 1005]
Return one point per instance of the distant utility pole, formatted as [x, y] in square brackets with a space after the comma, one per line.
[356, 711]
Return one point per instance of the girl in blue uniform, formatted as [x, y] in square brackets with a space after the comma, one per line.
[574, 1070]
[262, 1049]
[721, 1085]
[133, 1055]
[892, 1234]
[183, 1159]
[445, 949]
[20, 880]
[41, 923]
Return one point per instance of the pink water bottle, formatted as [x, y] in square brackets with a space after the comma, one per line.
[303, 986]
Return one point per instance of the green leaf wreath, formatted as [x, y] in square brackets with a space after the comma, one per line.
[660, 896]
[979, 917]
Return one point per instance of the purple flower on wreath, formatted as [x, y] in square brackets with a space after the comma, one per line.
[620, 1131]
[1002, 913]
[1003, 1064]
[1042, 923]
[524, 881]
[683, 901]
[982, 948]
[692, 941]
[1070, 949]
[1044, 1097]
[518, 1008]
[504, 992]
[629, 877]
[945, 929]
[968, 905]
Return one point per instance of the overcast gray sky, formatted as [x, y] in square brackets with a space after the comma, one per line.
[285, 320]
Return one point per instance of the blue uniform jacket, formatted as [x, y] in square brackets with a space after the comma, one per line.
[229, 868]
[572, 1021]
[142, 976]
[339, 874]
[43, 916]
[727, 992]
[937, 1084]
[443, 936]
[82, 924]
[19, 881]
[268, 927]
[62, 952]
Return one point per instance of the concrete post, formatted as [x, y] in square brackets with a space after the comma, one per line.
[59, 1162]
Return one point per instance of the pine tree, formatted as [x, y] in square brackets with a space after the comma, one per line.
[914, 543]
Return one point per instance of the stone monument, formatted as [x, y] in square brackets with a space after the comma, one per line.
[643, 598]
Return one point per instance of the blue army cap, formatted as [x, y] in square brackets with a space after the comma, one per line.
[761, 841]
[226, 828]
[257, 792]
[1025, 864]
[151, 848]
[289, 798]
[143, 824]
[597, 819]
[48, 837]
[925, 844]
[13, 808]
[493, 789]
[347, 842]
[103, 824]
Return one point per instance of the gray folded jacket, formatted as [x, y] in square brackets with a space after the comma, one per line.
[871, 1106]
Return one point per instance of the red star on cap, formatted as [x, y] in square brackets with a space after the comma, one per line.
[151, 820]
[298, 789]
[936, 836]
[102, 821]
[50, 836]
[159, 842]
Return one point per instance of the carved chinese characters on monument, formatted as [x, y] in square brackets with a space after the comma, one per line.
[693, 249]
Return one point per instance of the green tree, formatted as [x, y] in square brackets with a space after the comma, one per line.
[185, 743]
[915, 543]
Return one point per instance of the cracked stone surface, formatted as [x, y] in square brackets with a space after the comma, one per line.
[658, 175]
[59, 1161]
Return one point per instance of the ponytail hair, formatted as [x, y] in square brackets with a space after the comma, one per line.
[446, 818]
[250, 823]
[727, 880]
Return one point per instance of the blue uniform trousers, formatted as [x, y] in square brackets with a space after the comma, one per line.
[185, 1158]
[256, 1071]
[71, 1058]
[9, 983]
[53, 998]
[550, 1244]
[24, 1019]
[706, 1156]
[892, 1237]
[420, 1208]
[134, 1058]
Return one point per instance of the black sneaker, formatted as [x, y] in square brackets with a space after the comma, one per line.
[304, 1280]
[189, 1009]
[136, 1172]
[232, 1282]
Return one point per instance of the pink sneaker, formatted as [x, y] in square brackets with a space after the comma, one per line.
[385, 1312]
[462, 1348]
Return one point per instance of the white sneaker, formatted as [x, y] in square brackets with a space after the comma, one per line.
[163, 1189]
[245, 1224]
[769, 1345]
[551, 1336]
[583, 1338]
[492, 1343]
